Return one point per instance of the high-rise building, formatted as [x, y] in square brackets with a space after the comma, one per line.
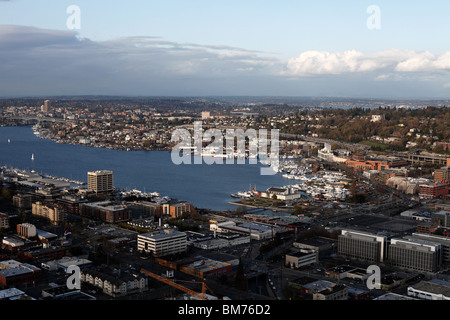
[46, 106]
[100, 181]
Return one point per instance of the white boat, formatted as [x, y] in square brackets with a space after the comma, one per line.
[32, 157]
[245, 195]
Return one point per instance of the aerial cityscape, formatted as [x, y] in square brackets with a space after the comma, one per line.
[166, 160]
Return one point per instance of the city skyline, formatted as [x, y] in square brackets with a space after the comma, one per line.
[352, 49]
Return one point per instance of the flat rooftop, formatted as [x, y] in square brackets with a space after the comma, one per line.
[162, 234]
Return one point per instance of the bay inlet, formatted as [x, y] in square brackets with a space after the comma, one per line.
[203, 185]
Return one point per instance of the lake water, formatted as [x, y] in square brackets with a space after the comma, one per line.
[203, 185]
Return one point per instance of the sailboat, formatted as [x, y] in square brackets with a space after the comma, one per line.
[32, 157]
[9, 140]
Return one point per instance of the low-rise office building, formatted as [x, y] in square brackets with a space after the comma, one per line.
[362, 245]
[162, 242]
[301, 258]
[415, 254]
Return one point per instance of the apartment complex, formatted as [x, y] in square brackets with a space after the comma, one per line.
[115, 283]
[178, 209]
[22, 201]
[52, 212]
[106, 211]
[100, 181]
[162, 242]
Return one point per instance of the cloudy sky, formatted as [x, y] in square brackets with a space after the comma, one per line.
[347, 48]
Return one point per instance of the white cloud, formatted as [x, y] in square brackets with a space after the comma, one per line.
[394, 60]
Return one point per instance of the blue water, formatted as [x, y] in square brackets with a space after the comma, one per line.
[205, 186]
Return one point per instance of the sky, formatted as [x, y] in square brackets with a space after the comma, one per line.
[347, 48]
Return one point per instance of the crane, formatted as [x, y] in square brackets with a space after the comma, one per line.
[201, 296]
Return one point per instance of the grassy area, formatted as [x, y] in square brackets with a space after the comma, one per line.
[378, 146]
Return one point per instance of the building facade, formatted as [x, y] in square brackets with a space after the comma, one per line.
[54, 213]
[433, 190]
[26, 230]
[163, 242]
[362, 246]
[304, 257]
[106, 211]
[4, 221]
[100, 181]
[418, 255]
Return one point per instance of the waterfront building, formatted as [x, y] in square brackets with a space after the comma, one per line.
[178, 209]
[284, 194]
[100, 181]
